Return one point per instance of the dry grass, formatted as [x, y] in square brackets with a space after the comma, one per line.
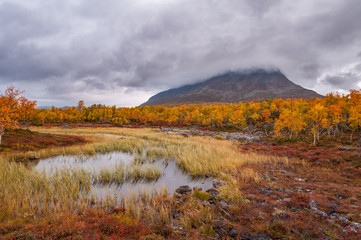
[197, 155]
[27, 193]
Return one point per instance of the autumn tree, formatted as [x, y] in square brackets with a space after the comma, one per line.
[290, 120]
[81, 105]
[9, 102]
[317, 117]
[26, 111]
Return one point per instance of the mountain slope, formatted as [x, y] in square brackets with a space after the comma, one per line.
[234, 87]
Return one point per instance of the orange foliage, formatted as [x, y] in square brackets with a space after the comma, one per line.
[331, 115]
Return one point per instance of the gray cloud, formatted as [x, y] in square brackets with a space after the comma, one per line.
[348, 78]
[344, 81]
[112, 51]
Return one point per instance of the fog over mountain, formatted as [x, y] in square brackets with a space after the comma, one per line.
[234, 87]
[123, 52]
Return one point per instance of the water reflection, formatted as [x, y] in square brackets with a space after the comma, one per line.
[173, 176]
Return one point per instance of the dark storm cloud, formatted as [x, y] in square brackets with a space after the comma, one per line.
[348, 78]
[115, 51]
[344, 81]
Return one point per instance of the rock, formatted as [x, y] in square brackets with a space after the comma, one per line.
[299, 179]
[65, 126]
[176, 228]
[355, 225]
[319, 212]
[286, 200]
[333, 206]
[213, 192]
[343, 219]
[265, 191]
[234, 233]
[312, 203]
[223, 205]
[183, 189]
[262, 236]
[345, 148]
[175, 214]
[217, 183]
[177, 195]
[223, 212]
[220, 226]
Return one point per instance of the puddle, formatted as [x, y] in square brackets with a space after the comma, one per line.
[172, 177]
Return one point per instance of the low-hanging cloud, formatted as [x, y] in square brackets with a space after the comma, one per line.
[112, 51]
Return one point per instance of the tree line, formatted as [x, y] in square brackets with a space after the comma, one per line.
[332, 115]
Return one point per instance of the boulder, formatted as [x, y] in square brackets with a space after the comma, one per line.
[183, 189]
[234, 233]
[218, 183]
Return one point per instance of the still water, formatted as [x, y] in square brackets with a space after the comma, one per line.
[172, 177]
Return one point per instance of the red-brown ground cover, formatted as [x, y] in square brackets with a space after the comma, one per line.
[20, 140]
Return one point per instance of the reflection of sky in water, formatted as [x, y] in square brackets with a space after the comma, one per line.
[91, 163]
[172, 178]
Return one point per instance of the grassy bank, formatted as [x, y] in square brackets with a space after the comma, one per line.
[196, 155]
[27, 195]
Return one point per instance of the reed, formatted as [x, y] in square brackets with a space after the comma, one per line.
[196, 155]
[27, 193]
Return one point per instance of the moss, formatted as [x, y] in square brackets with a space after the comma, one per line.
[204, 196]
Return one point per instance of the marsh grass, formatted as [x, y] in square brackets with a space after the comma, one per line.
[132, 173]
[27, 193]
[196, 155]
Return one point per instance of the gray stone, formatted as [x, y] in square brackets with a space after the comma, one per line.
[218, 183]
[234, 233]
[312, 203]
[355, 225]
[319, 212]
[262, 236]
[183, 189]
[223, 205]
[213, 192]
[345, 148]
[333, 206]
[299, 179]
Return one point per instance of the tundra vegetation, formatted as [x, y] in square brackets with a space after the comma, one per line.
[301, 181]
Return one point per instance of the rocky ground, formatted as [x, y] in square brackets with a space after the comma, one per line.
[244, 137]
[284, 204]
[316, 197]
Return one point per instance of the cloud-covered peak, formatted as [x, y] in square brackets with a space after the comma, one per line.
[113, 51]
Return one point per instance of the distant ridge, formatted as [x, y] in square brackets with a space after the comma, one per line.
[232, 87]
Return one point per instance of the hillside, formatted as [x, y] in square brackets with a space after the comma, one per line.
[234, 87]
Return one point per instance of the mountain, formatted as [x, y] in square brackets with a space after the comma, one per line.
[234, 87]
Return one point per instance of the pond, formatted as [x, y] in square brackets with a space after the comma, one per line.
[171, 175]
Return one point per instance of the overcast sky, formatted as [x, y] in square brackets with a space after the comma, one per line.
[123, 51]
